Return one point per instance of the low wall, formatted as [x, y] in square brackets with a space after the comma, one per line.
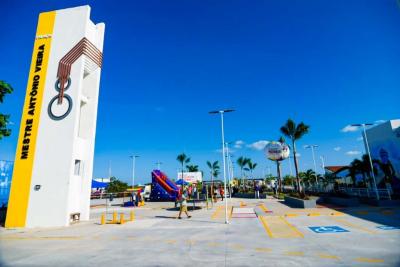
[341, 201]
[300, 203]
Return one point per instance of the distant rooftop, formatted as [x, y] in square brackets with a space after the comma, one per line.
[335, 169]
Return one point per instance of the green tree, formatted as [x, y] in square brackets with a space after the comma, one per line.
[192, 168]
[357, 167]
[362, 166]
[288, 180]
[308, 177]
[251, 166]
[214, 172]
[242, 162]
[366, 166]
[214, 168]
[294, 133]
[5, 88]
[183, 159]
[116, 186]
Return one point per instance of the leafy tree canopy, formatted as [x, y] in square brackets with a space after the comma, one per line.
[5, 88]
[116, 185]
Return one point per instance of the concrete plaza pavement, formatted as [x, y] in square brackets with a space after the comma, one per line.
[262, 232]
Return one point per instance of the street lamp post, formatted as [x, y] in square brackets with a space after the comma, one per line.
[221, 112]
[369, 154]
[313, 156]
[133, 157]
[323, 164]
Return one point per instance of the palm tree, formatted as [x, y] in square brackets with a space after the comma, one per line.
[214, 167]
[242, 162]
[309, 177]
[304, 180]
[183, 159]
[192, 168]
[295, 132]
[366, 165]
[214, 171]
[357, 167]
[251, 167]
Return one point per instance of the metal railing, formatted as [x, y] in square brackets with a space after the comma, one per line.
[366, 192]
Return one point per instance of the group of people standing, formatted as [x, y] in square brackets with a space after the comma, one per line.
[191, 192]
[136, 198]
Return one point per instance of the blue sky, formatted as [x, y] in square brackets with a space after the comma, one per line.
[167, 63]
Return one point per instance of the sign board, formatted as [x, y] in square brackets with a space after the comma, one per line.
[327, 229]
[191, 177]
[276, 151]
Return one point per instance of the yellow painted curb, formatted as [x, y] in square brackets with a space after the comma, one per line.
[328, 256]
[369, 260]
[294, 253]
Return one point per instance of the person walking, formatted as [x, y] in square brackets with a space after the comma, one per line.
[204, 192]
[183, 207]
[221, 192]
[190, 189]
[134, 197]
[194, 192]
[257, 191]
[275, 188]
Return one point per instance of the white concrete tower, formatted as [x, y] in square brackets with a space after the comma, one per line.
[54, 158]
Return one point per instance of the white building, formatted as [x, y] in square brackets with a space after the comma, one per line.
[384, 144]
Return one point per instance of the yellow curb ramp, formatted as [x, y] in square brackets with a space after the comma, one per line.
[279, 227]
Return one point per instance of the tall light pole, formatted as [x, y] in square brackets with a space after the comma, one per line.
[133, 157]
[369, 154]
[323, 163]
[313, 156]
[221, 112]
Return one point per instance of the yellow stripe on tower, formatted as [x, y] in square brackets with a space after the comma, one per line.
[24, 158]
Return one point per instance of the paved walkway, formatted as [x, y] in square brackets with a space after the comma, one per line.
[260, 233]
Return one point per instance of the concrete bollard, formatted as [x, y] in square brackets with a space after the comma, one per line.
[103, 219]
[132, 217]
[121, 218]
[114, 220]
